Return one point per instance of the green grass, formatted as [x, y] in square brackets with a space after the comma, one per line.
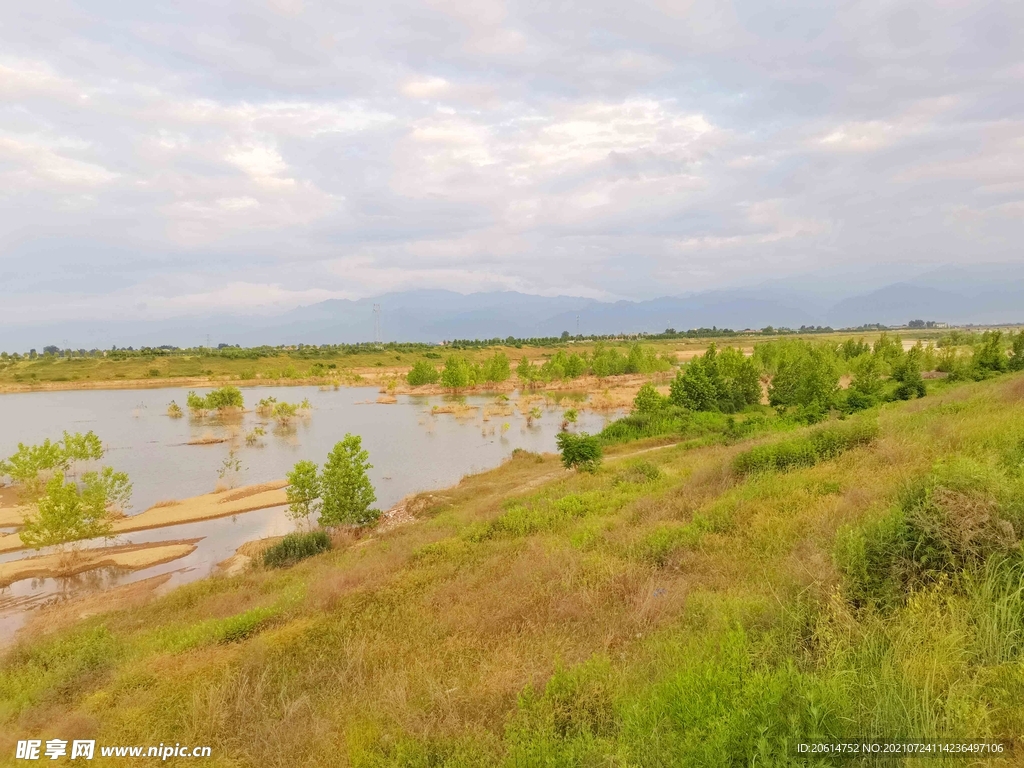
[664, 610]
[295, 547]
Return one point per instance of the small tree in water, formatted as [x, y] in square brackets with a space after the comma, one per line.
[346, 491]
[67, 513]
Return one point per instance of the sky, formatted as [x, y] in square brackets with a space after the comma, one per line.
[169, 159]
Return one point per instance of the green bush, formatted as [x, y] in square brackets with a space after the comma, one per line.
[224, 397]
[582, 451]
[295, 547]
[422, 373]
[951, 523]
[647, 400]
[821, 444]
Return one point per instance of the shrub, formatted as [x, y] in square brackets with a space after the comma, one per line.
[174, 410]
[422, 373]
[821, 444]
[218, 399]
[580, 452]
[295, 547]
[647, 399]
[497, 368]
[457, 373]
[949, 524]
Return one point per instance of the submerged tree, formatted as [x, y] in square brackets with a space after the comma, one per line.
[67, 513]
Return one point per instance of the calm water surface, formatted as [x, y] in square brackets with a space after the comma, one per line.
[411, 450]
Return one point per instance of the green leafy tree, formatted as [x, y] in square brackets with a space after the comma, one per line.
[990, 356]
[1016, 359]
[346, 491]
[66, 513]
[303, 491]
[736, 377]
[79, 447]
[694, 388]
[647, 399]
[907, 374]
[525, 370]
[110, 486]
[218, 399]
[575, 366]
[867, 385]
[422, 373]
[30, 464]
[579, 451]
[457, 373]
[807, 382]
[889, 348]
[607, 361]
[497, 369]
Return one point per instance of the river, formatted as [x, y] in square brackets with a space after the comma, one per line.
[411, 450]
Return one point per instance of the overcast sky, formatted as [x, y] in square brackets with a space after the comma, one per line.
[172, 158]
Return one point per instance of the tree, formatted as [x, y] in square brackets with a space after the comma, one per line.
[108, 487]
[422, 373]
[457, 373]
[581, 451]
[26, 465]
[65, 513]
[647, 399]
[497, 368]
[907, 372]
[807, 381]
[303, 491]
[1016, 360]
[693, 388]
[990, 357]
[525, 370]
[346, 491]
[867, 385]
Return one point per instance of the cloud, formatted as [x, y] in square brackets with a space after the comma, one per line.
[264, 154]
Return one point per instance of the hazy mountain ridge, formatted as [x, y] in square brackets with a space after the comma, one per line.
[980, 296]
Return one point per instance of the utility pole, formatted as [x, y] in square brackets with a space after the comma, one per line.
[376, 325]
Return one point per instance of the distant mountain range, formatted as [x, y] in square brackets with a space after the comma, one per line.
[986, 295]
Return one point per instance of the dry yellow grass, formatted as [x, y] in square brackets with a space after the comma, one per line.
[535, 616]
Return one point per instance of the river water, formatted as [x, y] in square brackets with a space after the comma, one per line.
[411, 450]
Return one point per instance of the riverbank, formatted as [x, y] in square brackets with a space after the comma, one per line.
[534, 615]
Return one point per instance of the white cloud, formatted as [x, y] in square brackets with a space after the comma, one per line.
[554, 147]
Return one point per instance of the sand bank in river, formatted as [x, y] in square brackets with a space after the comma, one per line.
[205, 507]
[131, 557]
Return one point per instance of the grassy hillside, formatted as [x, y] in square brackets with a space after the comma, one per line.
[688, 604]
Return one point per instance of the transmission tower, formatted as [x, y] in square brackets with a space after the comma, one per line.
[376, 325]
[577, 325]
